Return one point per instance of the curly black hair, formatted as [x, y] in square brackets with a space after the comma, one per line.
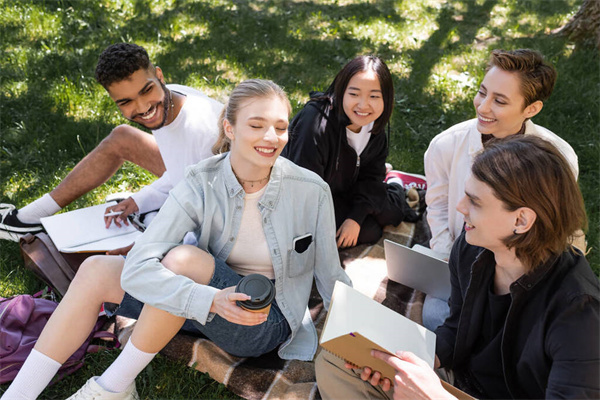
[118, 61]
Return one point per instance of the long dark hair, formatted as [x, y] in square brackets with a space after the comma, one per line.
[340, 83]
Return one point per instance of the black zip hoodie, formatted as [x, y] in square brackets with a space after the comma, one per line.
[317, 141]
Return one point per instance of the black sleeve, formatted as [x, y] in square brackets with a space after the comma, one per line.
[308, 145]
[572, 345]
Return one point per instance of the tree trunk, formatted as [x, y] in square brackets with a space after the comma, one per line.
[585, 25]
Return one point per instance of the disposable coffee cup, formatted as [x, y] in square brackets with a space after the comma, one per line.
[260, 289]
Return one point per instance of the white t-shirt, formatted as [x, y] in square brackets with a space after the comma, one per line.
[358, 141]
[185, 141]
[250, 253]
[448, 164]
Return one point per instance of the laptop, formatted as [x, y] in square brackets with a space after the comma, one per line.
[418, 268]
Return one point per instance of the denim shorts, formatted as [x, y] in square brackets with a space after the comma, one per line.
[238, 340]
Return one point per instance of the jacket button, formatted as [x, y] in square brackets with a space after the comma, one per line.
[265, 220]
[231, 239]
[238, 207]
[271, 203]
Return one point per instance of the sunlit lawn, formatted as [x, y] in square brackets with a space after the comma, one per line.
[52, 112]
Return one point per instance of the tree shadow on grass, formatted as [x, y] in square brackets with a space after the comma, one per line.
[300, 45]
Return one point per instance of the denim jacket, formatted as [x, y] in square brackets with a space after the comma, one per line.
[209, 202]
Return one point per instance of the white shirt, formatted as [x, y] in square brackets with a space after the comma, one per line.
[185, 141]
[358, 141]
[448, 164]
[250, 253]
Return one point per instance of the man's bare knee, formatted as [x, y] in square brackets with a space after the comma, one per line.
[190, 261]
[120, 139]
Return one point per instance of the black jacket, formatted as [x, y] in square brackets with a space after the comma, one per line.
[317, 141]
[550, 345]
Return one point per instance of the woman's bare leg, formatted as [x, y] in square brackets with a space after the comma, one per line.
[97, 281]
[155, 327]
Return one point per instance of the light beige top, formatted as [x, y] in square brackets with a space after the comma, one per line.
[250, 253]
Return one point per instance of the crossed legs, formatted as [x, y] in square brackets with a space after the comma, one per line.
[96, 282]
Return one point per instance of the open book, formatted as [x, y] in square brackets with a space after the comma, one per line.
[357, 324]
[84, 230]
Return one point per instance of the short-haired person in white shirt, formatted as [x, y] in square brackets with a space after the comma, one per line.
[513, 91]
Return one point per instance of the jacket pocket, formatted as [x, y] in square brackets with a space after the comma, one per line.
[301, 263]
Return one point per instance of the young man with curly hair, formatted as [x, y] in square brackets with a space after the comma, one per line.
[183, 122]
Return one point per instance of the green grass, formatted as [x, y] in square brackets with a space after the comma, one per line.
[52, 112]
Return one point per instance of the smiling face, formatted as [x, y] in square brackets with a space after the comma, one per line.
[258, 136]
[487, 221]
[142, 98]
[363, 102]
[500, 105]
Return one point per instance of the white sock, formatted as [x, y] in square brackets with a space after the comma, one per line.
[122, 372]
[45, 206]
[33, 377]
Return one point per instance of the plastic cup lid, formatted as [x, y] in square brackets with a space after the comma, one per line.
[259, 287]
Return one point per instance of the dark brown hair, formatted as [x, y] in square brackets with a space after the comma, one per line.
[340, 83]
[537, 77]
[527, 171]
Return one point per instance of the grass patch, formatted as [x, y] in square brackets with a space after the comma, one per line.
[52, 112]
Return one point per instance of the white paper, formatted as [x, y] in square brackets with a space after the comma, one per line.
[84, 230]
[352, 311]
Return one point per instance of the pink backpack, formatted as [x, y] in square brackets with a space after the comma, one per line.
[22, 319]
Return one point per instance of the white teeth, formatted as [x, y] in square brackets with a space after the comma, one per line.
[486, 119]
[149, 116]
[263, 150]
[361, 114]
[468, 225]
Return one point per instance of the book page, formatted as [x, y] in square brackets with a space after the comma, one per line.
[84, 230]
[353, 315]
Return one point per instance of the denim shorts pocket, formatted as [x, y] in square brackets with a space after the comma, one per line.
[301, 263]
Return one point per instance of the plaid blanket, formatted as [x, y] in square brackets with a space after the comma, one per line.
[268, 376]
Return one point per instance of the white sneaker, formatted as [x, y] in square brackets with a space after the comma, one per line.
[92, 391]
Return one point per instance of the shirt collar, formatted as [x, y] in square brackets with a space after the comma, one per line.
[272, 192]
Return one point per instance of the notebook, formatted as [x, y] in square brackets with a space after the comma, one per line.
[83, 230]
[419, 268]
